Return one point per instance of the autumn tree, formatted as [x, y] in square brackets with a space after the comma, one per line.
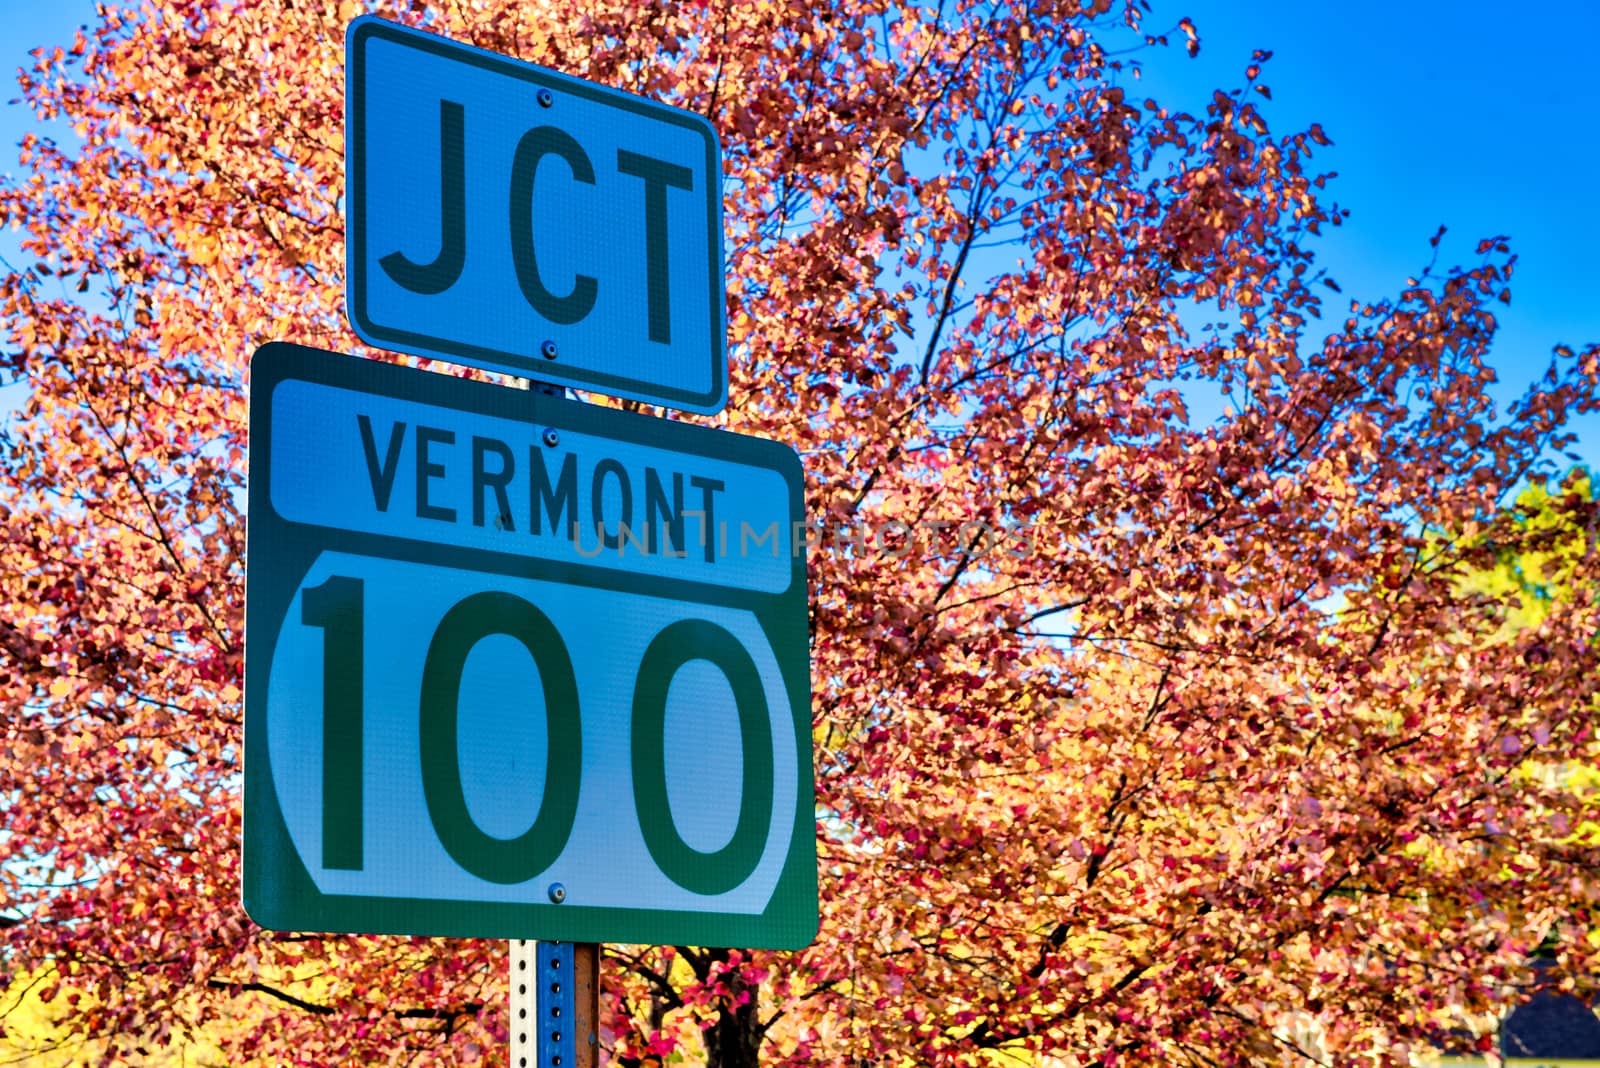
[1537, 553]
[1139, 740]
[50, 1033]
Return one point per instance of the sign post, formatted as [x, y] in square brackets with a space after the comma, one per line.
[555, 1002]
[520, 667]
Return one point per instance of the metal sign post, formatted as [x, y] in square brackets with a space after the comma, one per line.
[521, 667]
[555, 1004]
[524, 1019]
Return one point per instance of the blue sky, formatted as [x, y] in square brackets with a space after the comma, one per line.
[1475, 115]
[1478, 116]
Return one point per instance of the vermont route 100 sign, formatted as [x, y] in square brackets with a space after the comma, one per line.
[520, 667]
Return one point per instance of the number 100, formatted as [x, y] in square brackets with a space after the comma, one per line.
[336, 607]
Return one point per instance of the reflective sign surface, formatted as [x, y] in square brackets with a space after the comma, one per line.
[509, 217]
[519, 667]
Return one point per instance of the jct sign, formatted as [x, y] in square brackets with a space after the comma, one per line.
[507, 216]
[508, 675]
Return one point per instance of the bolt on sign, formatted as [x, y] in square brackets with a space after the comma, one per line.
[510, 217]
[520, 667]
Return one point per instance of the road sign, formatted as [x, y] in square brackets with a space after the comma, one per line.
[513, 218]
[520, 667]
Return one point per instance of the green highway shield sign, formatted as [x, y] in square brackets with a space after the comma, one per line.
[519, 667]
[510, 217]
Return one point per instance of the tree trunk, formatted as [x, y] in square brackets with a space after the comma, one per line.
[735, 1040]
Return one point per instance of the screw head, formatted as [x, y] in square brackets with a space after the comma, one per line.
[558, 893]
[547, 349]
[552, 439]
[546, 98]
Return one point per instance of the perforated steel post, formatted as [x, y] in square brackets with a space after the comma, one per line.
[555, 1005]
[524, 1003]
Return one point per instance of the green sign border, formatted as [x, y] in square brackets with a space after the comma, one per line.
[278, 890]
[367, 27]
